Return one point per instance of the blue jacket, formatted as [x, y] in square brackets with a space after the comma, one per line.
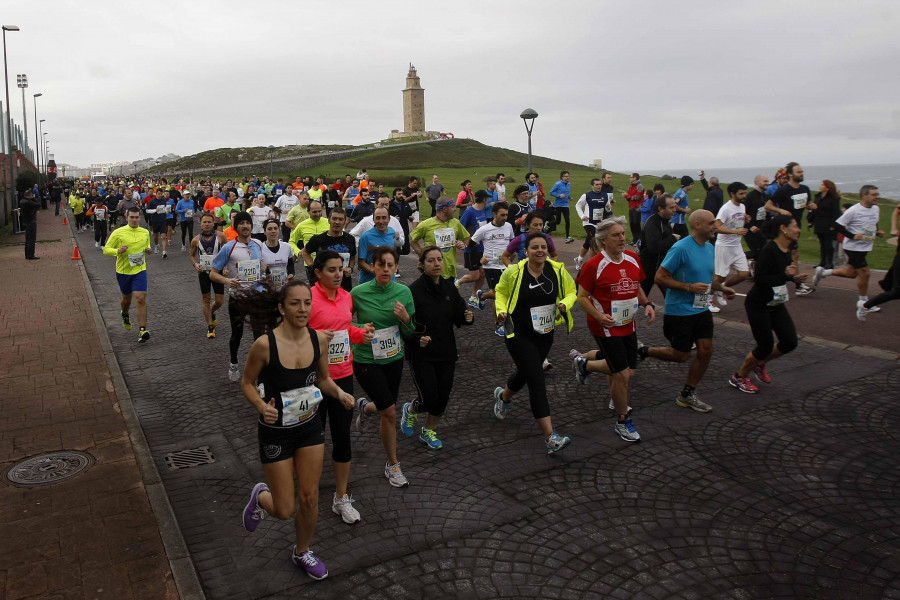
[559, 188]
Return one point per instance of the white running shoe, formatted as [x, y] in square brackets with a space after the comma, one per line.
[861, 310]
[395, 475]
[233, 373]
[343, 506]
[818, 276]
[712, 307]
[720, 299]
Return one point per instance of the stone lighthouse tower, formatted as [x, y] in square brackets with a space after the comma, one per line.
[413, 104]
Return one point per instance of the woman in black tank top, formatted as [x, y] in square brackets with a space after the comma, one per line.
[291, 364]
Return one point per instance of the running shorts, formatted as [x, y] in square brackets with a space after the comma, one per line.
[132, 283]
[683, 331]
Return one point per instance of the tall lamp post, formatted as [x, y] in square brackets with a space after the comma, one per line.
[37, 149]
[12, 183]
[271, 154]
[22, 82]
[529, 113]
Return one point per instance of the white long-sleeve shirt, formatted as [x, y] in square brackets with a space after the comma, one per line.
[367, 223]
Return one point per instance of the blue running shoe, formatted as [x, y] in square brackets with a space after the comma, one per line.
[481, 303]
[430, 439]
[500, 407]
[408, 420]
[556, 442]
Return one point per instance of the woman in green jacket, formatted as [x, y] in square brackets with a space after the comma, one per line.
[533, 296]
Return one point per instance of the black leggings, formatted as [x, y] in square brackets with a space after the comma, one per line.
[894, 292]
[826, 250]
[187, 227]
[764, 321]
[380, 382]
[634, 219]
[433, 381]
[331, 408]
[528, 351]
[100, 232]
[237, 331]
[80, 220]
[562, 211]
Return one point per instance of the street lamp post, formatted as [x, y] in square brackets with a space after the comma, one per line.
[529, 113]
[12, 183]
[271, 167]
[22, 82]
[37, 150]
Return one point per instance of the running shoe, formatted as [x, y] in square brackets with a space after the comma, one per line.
[233, 373]
[579, 260]
[211, 331]
[145, 335]
[165, 255]
[804, 290]
[395, 475]
[874, 309]
[500, 331]
[720, 299]
[343, 506]
[556, 442]
[579, 365]
[310, 563]
[693, 401]
[397, 275]
[500, 407]
[547, 365]
[253, 512]
[361, 414]
[96, 244]
[156, 249]
[612, 406]
[743, 383]
[573, 353]
[430, 439]
[481, 303]
[569, 240]
[861, 310]
[182, 248]
[408, 420]
[626, 431]
[818, 276]
[712, 307]
[762, 375]
[643, 351]
[215, 321]
[126, 322]
[472, 302]
[456, 283]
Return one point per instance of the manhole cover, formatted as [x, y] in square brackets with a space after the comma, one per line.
[49, 468]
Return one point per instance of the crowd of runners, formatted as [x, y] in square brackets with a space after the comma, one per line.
[349, 314]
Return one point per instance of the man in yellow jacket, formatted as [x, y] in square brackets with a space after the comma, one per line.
[130, 244]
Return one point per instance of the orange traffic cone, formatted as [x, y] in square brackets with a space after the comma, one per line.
[65, 221]
[76, 256]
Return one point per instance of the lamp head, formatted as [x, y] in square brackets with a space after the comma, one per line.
[529, 113]
[10, 28]
[38, 94]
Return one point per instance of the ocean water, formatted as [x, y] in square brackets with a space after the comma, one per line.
[847, 178]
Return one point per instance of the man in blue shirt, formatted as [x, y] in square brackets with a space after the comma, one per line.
[561, 192]
[687, 273]
[682, 209]
[380, 235]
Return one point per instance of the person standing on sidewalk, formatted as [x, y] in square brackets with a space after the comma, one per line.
[635, 197]
[28, 208]
[130, 244]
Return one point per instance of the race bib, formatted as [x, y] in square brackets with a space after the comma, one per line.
[481, 224]
[248, 270]
[386, 343]
[339, 348]
[100, 213]
[799, 201]
[444, 239]
[701, 300]
[299, 405]
[279, 275]
[331, 203]
[761, 213]
[258, 222]
[136, 260]
[623, 311]
[779, 295]
[346, 257]
[493, 256]
[869, 232]
[542, 318]
[609, 196]
[188, 214]
[205, 261]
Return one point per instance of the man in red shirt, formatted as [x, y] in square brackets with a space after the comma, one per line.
[609, 291]
[635, 197]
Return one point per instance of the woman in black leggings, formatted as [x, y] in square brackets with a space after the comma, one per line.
[891, 282]
[766, 305]
[432, 353]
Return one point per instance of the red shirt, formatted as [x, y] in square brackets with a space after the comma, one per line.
[610, 282]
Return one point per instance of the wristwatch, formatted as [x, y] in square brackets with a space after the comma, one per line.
[650, 304]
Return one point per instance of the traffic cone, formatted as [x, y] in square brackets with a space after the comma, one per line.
[76, 256]
[65, 220]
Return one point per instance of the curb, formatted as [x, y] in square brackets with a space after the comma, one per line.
[183, 572]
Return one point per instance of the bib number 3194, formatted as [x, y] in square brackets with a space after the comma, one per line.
[386, 343]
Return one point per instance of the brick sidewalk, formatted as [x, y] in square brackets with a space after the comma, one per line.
[95, 535]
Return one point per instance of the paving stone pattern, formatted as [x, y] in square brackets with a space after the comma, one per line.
[792, 493]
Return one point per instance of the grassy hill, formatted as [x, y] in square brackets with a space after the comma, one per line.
[227, 156]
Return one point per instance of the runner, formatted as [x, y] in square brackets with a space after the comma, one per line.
[859, 225]
[129, 244]
[278, 258]
[260, 214]
[766, 305]
[609, 292]
[185, 210]
[891, 282]
[731, 227]
[290, 364]
[593, 206]
[495, 237]
[791, 198]
[687, 274]
[156, 208]
[533, 296]
[242, 256]
[561, 192]
[411, 195]
[283, 206]
[332, 309]
[534, 223]
[204, 248]
[474, 217]
[432, 352]
[224, 211]
[388, 307]
[100, 212]
[519, 209]
[381, 235]
[304, 230]
[445, 232]
[656, 239]
[337, 240]
[683, 208]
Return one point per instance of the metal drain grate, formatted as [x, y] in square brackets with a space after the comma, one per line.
[194, 457]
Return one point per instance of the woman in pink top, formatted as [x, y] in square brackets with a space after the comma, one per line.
[465, 199]
[332, 308]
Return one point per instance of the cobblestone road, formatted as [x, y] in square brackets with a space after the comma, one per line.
[792, 493]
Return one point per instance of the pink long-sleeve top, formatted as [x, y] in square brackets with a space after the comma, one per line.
[335, 315]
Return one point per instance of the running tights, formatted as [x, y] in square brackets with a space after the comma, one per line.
[100, 232]
[826, 250]
[237, 331]
[331, 408]
[187, 228]
[764, 321]
[560, 213]
[894, 292]
[528, 351]
[433, 381]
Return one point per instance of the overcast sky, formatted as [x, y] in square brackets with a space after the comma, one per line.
[643, 84]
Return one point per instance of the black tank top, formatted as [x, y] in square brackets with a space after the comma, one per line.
[277, 379]
[208, 246]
